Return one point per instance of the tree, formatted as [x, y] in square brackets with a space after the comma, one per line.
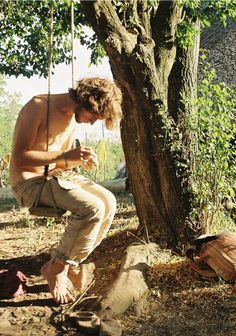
[9, 109]
[153, 51]
[140, 40]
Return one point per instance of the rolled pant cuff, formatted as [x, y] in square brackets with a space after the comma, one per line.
[63, 259]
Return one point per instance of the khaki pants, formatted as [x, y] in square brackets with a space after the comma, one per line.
[92, 210]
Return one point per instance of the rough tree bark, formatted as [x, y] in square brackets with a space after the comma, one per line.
[142, 55]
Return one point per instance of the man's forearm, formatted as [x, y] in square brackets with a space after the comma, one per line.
[62, 159]
[33, 158]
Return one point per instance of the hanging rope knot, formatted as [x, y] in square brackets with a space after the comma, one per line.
[65, 157]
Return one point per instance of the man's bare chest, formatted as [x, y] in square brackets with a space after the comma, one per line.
[56, 133]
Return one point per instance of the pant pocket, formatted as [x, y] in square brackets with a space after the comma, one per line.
[65, 183]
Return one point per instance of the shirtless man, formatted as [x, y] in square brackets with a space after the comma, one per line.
[92, 207]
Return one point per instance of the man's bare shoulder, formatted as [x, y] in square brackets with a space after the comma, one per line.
[38, 100]
[36, 105]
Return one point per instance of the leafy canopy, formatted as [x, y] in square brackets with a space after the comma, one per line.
[208, 12]
[25, 29]
[24, 33]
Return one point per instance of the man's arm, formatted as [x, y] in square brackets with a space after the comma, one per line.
[30, 119]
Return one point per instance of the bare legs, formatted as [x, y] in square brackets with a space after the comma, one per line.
[56, 275]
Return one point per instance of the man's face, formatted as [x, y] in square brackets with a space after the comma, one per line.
[84, 116]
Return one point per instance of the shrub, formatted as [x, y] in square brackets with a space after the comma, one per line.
[213, 149]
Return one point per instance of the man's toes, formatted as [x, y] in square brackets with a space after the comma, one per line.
[70, 297]
[56, 297]
[66, 298]
[63, 300]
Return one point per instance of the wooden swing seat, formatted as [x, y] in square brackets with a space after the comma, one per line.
[45, 211]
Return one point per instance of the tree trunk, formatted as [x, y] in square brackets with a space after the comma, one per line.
[142, 54]
[183, 83]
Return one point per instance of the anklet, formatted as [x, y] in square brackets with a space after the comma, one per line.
[63, 259]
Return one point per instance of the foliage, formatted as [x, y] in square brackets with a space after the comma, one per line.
[25, 35]
[25, 30]
[207, 11]
[97, 51]
[124, 10]
[110, 154]
[50, 223]
[213, 147]
[9, 109]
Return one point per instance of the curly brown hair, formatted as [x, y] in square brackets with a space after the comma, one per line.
[99, 95]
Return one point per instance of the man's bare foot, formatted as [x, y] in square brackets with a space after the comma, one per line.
[58, 282]
[81, 278]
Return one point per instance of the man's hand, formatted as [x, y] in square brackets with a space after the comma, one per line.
[89, 160]
[84, 156]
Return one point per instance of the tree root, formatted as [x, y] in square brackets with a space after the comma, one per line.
[130, 287]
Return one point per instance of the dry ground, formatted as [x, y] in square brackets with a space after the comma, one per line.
[179, 302]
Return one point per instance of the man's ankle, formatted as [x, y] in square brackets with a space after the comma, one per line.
[57, 266]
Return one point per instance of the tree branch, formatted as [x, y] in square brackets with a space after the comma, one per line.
[115, 37]
[164, 26]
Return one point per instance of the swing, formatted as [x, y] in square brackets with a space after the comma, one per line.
[37, 209]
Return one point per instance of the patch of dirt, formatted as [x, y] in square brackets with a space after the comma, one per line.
[179, 302]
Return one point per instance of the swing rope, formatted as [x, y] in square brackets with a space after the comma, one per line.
[46, 167]
[36, 209]
[72, 28]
